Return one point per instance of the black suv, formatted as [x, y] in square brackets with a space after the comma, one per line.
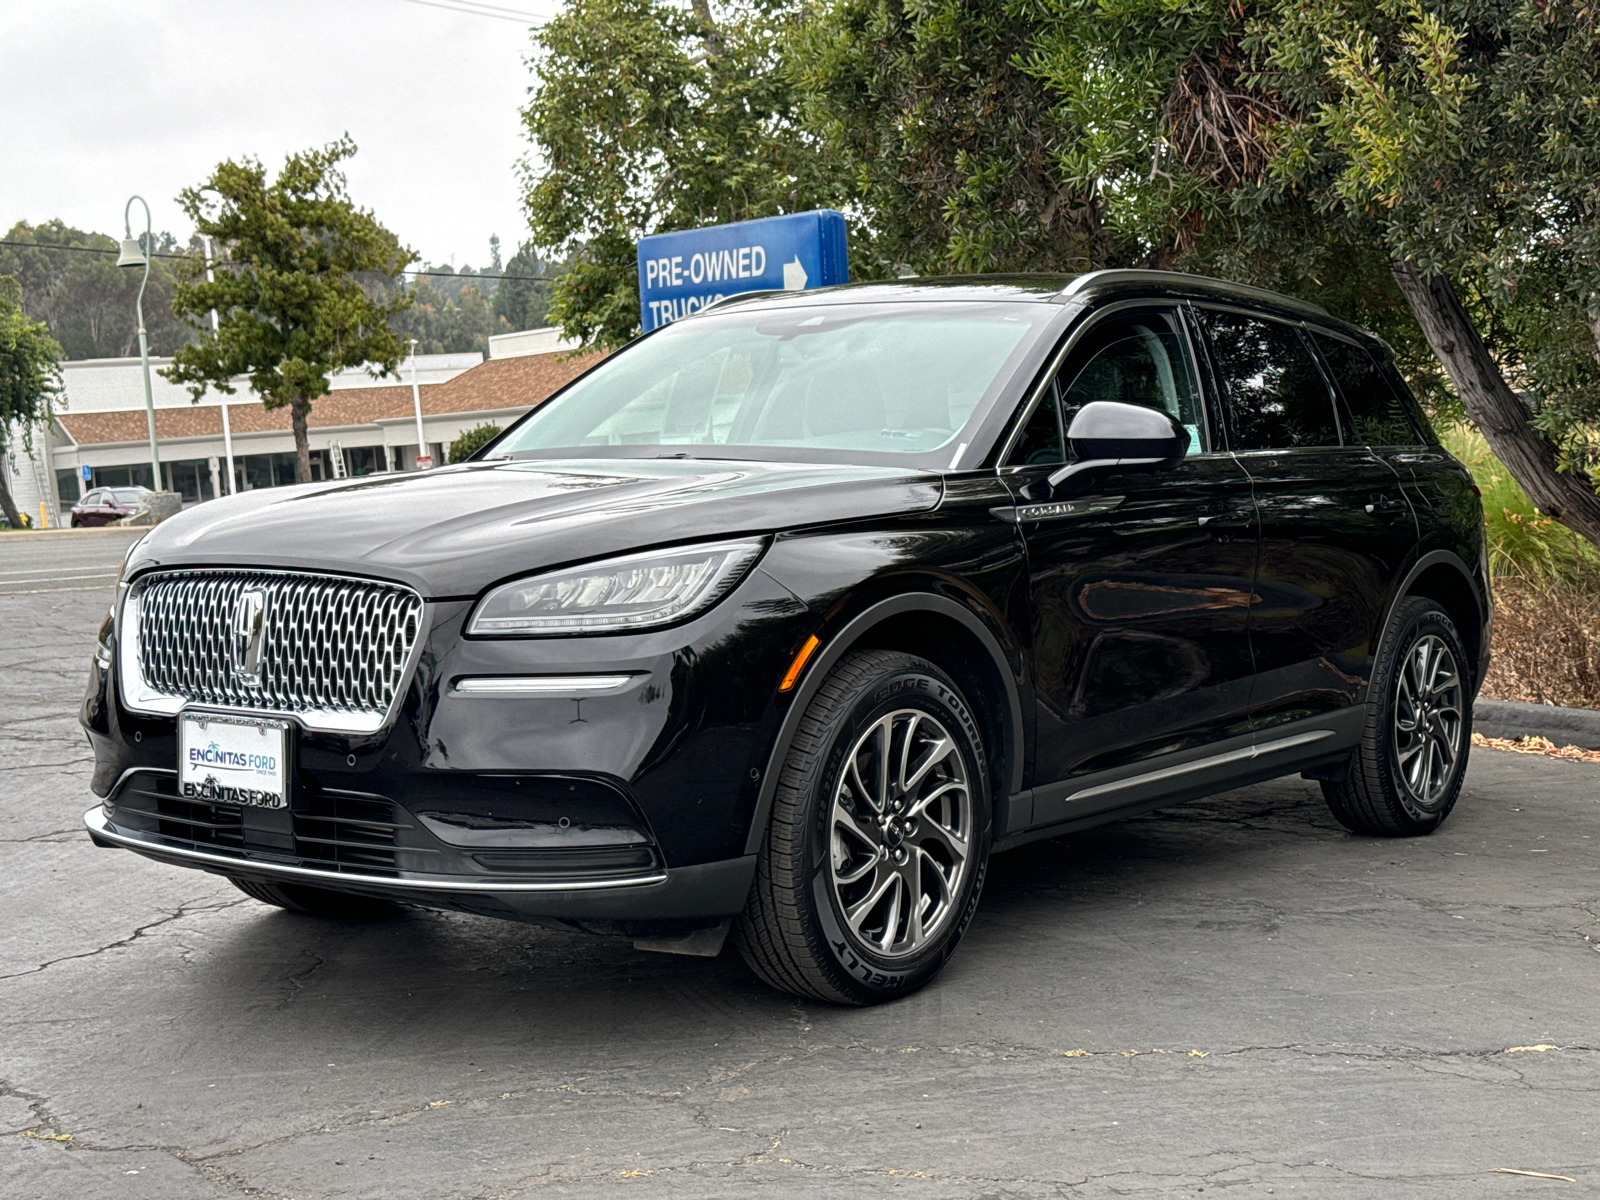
[786, 617]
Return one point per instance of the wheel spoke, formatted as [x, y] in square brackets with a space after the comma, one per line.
[907, 738]
[911, 881]
[862, 908]
[883, 732]
[844, 819]
[952, 840]
[921, 805]
[891, 921]
[937, 753]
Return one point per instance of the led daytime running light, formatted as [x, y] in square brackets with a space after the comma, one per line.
[638, 592]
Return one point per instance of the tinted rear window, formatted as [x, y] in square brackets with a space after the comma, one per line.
[1377, 415]
[1277, 399]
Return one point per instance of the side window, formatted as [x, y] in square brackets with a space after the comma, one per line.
[1277, 398]
[1142, 360]
[1041, 437]
[1377, 416]
[95, 497]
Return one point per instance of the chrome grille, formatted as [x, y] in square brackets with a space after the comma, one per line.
[328, 645]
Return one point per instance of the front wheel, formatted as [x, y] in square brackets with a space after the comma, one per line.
[879, 837]
[1406, 775]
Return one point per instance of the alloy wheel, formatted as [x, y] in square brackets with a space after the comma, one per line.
[1427, 724]
[900, 833]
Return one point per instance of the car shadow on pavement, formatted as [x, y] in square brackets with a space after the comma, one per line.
[395, 986]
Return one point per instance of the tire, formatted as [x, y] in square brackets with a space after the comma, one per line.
[315, 902]
[811, 926]
[1406, 775]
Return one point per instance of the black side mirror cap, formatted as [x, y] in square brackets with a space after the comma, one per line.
[1108, 436]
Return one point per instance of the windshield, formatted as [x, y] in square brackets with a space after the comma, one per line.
[128, 495]
[848, 383]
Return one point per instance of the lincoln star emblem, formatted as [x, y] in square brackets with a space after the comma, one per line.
[249, 621]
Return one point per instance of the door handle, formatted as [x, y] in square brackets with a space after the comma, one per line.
[1384, 507]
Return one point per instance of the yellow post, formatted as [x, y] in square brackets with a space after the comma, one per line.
[44, 520]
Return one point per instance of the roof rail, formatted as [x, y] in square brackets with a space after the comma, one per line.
[1222, 287]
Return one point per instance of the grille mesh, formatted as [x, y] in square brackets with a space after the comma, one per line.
[328, 644]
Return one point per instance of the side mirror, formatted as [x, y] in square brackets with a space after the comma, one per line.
[1107, 436]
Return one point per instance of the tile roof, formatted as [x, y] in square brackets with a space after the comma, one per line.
[495, 384]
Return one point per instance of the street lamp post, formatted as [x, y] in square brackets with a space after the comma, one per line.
[227, 433]
[416, 403]
[134, 255]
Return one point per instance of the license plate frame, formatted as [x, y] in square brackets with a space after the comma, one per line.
[230, 758]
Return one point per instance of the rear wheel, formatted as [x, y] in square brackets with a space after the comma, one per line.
[315, 902]
[1406, 776]
[879, 836]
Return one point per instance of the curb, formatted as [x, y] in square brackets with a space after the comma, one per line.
[1513, 719]
[47, 535]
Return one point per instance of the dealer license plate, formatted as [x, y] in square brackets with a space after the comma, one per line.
[233, 760]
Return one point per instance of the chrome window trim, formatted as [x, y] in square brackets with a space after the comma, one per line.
[138, 696]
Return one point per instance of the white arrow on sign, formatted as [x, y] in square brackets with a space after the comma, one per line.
[794, 276]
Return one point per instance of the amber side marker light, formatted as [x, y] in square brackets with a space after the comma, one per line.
[799, 663]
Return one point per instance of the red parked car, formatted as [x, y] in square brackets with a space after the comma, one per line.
[105, 505]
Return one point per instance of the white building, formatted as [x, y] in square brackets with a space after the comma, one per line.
[362, 426]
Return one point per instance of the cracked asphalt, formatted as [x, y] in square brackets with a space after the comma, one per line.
[1234, 996]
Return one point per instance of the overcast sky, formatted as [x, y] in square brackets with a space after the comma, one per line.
[104, 98]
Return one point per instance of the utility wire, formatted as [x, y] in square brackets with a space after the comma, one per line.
[169, 254]
[471, 8]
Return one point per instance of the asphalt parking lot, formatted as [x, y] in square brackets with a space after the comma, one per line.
[1230, 997]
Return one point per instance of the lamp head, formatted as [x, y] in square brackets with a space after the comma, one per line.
[132, 254]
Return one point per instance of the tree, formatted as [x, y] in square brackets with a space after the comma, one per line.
[648, 117]
[30, 380]
[948, 139]
[522, 301]
[445, 325]
[1447, 153]
[307, 286]
[85, 298]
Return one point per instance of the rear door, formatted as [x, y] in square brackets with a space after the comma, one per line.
[1336, 527]
[1139, 589]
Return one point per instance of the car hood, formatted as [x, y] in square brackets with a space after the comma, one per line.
[453, 531]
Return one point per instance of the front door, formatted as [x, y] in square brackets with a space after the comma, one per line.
[1336, 526]
[1140, 587]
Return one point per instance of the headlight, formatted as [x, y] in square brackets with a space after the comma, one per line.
[637, 592]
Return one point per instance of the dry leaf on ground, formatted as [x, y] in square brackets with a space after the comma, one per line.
[1533, 744]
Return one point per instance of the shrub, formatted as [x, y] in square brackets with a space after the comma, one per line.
[1546, 646]
[473, 440]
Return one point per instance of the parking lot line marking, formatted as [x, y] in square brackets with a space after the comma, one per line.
[104, 587]
[55, 570]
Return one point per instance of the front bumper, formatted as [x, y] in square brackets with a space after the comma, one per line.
[704, 891]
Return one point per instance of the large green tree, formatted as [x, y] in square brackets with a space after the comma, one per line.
[1379, 153]
[949, 142]
[648, 117]
[307, 285]
[30, 381]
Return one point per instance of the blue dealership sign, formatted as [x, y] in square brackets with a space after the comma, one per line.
[681, 273]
